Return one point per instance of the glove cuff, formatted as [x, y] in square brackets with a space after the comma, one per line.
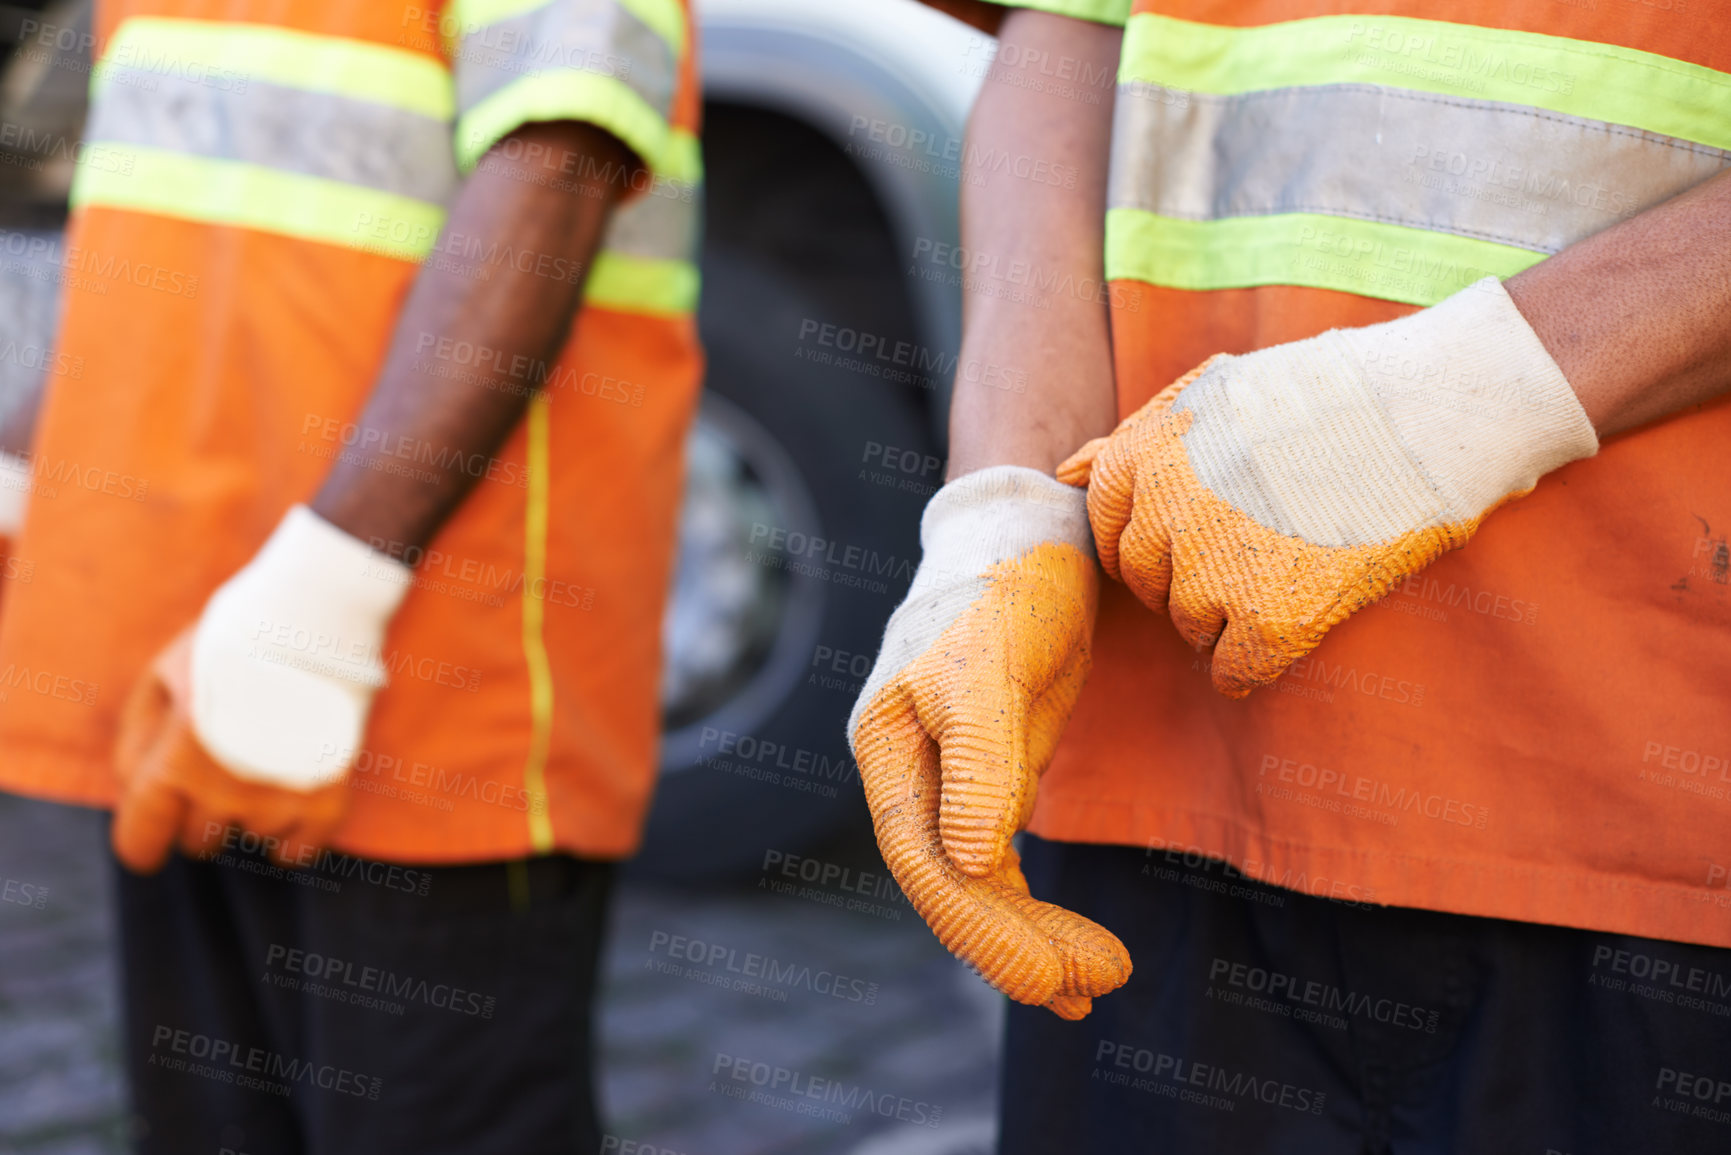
[15, 482]
[286, 656]
[998, 513]
[1474, 396]
[336, 583]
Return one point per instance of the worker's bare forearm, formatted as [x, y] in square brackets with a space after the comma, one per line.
[1034, 378]
[519, 310]
[1638, 317]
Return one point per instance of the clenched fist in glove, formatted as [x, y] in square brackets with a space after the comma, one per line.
[978, 673]
[1261, 500]
[254, 715]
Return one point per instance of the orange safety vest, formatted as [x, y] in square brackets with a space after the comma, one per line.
[259, 182]
[1537, 727]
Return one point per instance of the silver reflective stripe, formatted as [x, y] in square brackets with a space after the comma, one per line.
[595, 36]
[1484, 169]
[318, 134]
[662, 224]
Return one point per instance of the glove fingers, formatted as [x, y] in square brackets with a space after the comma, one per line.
[1111, 494]
[145, 823]
[1049, 715]
[1131, 547]
[1243, 660]
[202, 832]
[1094, 961]
[974, 688]
[314, 828]
[1031, 951]
[899, 768]
[1072, 1007]
[985, 779]
[1076, 468]
[147, 754]
[1145, 556]
[1200, 620]
[144, 726]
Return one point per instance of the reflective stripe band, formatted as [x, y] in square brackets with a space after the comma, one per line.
[682, 160]
[595, 36]
[1113, 12]
[1390, 262]
[586, 96]
[662, 224]
[1593, 81]
[666, 18]
[319, 137]
[220, 55]
[648, 258]
[248, 196]
[224, 192]
[641, 285]
[267, 124]
[1495, 172]
[539, 462]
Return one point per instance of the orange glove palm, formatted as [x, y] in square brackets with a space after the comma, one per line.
[174, 793]
[1262, 500]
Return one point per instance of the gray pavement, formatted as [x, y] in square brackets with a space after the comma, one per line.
[734, 1022]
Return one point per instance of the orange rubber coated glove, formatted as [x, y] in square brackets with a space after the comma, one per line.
[174, 793]
[979, 670]
[1261, 500]
[255, 716]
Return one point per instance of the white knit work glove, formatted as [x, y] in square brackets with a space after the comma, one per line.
[979, 670]
[1262, 499]
[252, 717]
[16, 479]
[286, 656]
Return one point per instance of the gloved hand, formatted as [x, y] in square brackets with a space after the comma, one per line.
[15, 482]
[254, 716]
[1263, 499]
[979, 670]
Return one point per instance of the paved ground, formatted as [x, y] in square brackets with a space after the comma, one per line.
[863, 1000]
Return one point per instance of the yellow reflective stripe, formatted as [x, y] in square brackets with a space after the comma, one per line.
[665, 18]
[357, 69]
[1390, 262]
[534, 614]
[227, 192]
[1596, 81]
[600, 100]
[1113, 12]
[682, 159]
[641, 285]
[472, 15]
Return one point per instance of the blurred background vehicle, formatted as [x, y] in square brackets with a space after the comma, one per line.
[824, 412]
[832, 144]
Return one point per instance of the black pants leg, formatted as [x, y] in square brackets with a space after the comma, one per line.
[1265, 1022]
[362, 1007]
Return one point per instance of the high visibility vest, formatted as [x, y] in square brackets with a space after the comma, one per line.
[259, 184]
[1536, 727]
